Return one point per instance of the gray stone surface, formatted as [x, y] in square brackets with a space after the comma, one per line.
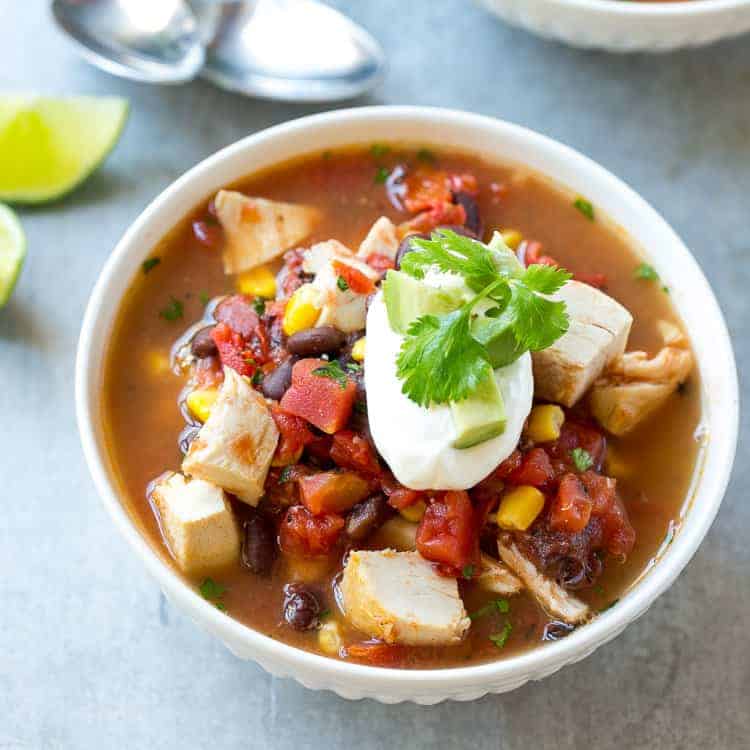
[92, 657]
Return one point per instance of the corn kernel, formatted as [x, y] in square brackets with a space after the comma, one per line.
[414, 512]
[301, 311]
[616, 465]
[201, 401]
[545, 422]
[257, 282]
[512, 238]
[329, 638]
[158, 362]
[519, 508]
[358, 350]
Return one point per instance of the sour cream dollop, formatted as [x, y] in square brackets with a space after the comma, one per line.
[416, 442]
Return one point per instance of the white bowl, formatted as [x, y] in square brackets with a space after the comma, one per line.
[495, 140]
[624, 26]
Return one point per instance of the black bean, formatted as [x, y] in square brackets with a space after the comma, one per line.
[188, 434]
[202, 344]
[301, 607]
[365, 517]
[259, 544]
[315, 341]
[276, 383]
[406, 246]
[471, 207]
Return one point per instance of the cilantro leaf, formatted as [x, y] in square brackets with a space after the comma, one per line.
[496, 605]
[440, 360]
[584, 207]
[501, 638]
[545, 279]
[259, 305]
[341, 284]
[333, 371]
[204, 298]
[468, 571]
[582, 459]
[381, 175]
[378, 150]
[537, 321]
[645, 272]
[149, 264]
[212, 592]
[424, 154]
[173, 310]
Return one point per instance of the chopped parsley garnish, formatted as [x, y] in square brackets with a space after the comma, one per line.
[204, 298]
[333, 371]
[379, 149]
[424, 154]
[501, 638]
[381, 175]
[212, 591]
[173, 310]
[584, 207]
[468, 571]
[353, 367]
[257, 378]
[582, 459]
[496, 605]
[341, 284]
[286, 475]
[440, 360]
[259, 305]
[645, 272]
[325, 613]
[149, 264]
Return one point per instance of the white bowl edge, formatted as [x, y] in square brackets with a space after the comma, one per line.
[499, 141]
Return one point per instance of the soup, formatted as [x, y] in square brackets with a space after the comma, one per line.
[402, 406]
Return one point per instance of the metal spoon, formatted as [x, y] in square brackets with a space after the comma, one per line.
[157, 41]
[295, 50]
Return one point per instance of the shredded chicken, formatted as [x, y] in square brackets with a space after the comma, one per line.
[497, 578]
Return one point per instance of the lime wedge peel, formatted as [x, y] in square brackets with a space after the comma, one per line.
[12, 252]
[49, 146]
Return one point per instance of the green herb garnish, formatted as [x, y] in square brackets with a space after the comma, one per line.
[468, 571]
[259, 305]
[333, 371]
[285, 475]
[173, 310]
[257, 378]
[645, 272]
[204, 298]
[584, 207]
[582, 459]
[381, 175]
[501, 638]
[212, 592]
[325, 613]
[496, 605]
[379, 149]
[424, 154]
[440, 360]
[149, 264]
[341, 284]
[353, 367]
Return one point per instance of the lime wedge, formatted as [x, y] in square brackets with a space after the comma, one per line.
[12, 252]
[49, 146]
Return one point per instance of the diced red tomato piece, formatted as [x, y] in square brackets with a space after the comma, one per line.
[571, 508]
[237, 312]
[619, 534]
[332, 491]
[535, 469]
[380, 263]
[294, 436]
[508, 466]
[533, 255]
[447, 533]
[357, 281]
[597, 280]
[232, 350]
[319, 399]
[305, 535]
[352, 451]
[443, 214]
[425, 189]
[377, 654]
[602, 491]
[399, 497]
[575, 434]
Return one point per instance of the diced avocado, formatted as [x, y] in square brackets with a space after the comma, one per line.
[496, 334]
[479, 417]
[406, 298]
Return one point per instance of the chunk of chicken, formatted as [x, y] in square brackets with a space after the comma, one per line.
[399, 598]
[380, 240]
[235, 446]
[197, 523]
[494, 576]
[636, 385]
[258, 230]
[598, 333]
[547, 592]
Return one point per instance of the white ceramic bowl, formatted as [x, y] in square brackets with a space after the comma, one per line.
[495, 140]
[624, 26]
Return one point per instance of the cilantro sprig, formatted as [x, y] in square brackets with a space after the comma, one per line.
[333, 371]
[443, 358]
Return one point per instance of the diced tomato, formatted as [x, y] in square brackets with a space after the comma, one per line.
[377, 654]
[332, 491]
[619, 534]
[425, 189]
[321, 400]
[237, 312]
[575, 434]
[571, 508]
[602, 491]
[447, 532]
[320, 448]
[294, 436]
[597, 280]
[532, 254]
[305, 535]
[281, 484]
[535, 469]
[399, 497]
[293, 277]
[443, 214]
[380, 263]
[352, 451]
[232, 350]
[357, 281]
[508, 466]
